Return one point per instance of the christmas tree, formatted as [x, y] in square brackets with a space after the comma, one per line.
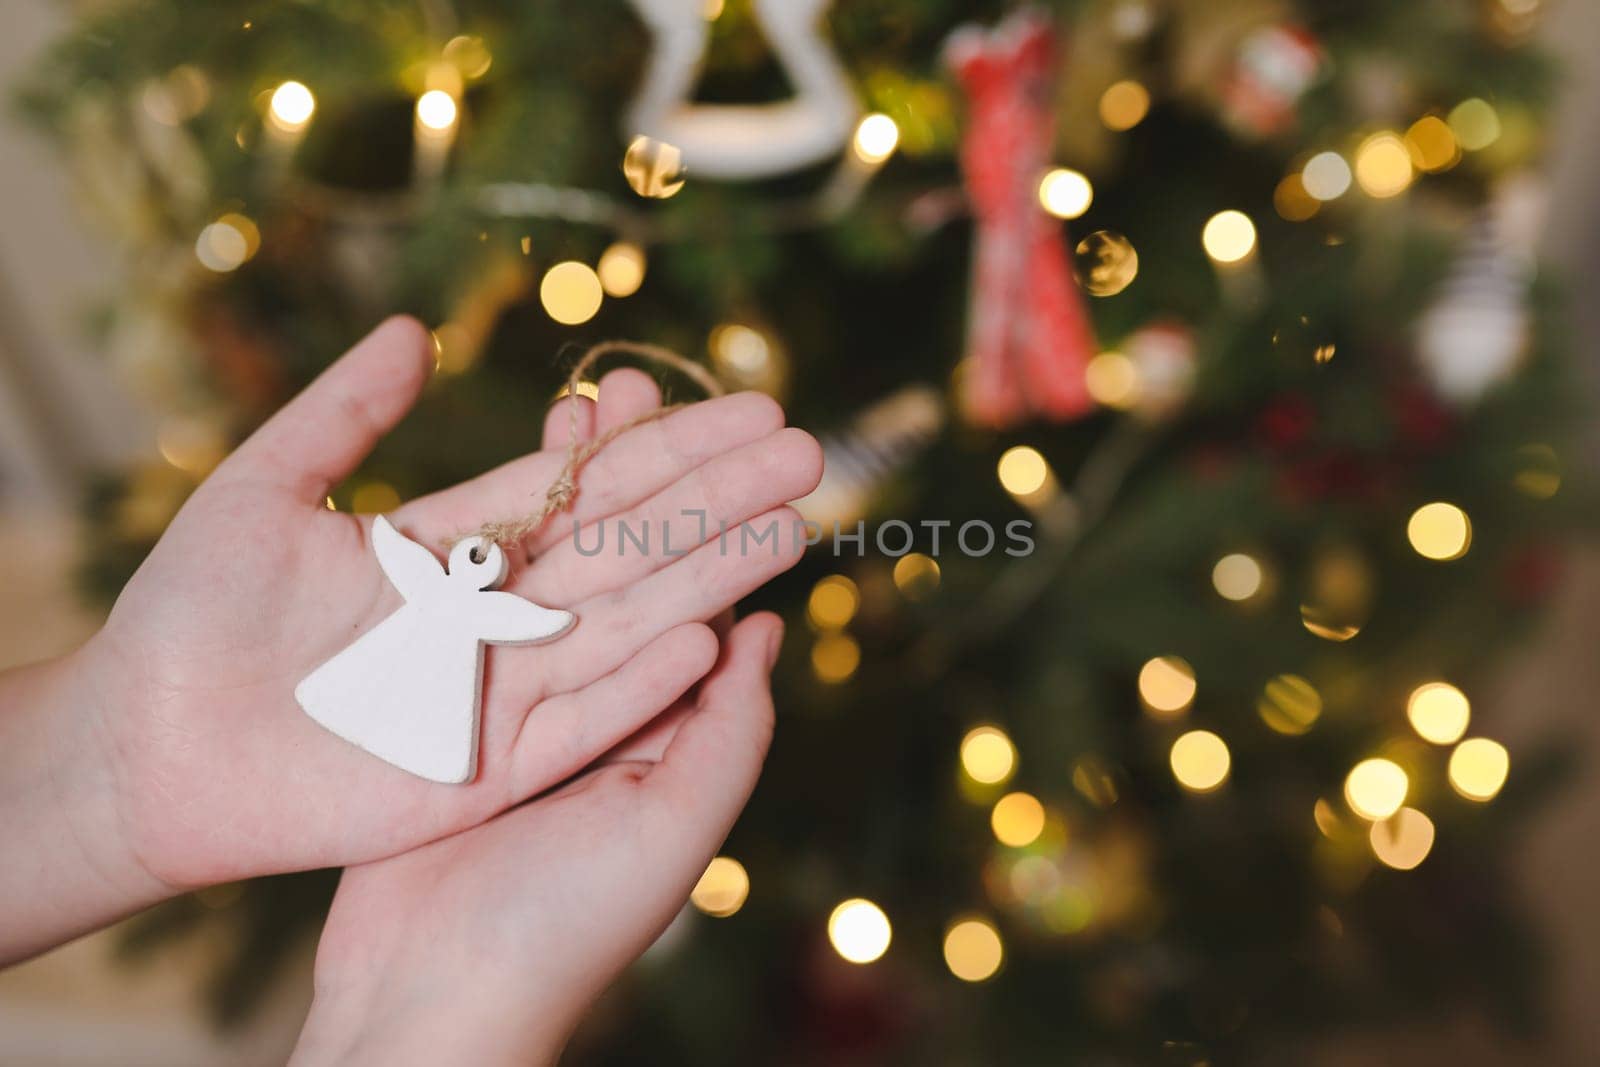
[1222, 318]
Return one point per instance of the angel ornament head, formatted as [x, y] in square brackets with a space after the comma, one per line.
[735, 142]
[408, 691]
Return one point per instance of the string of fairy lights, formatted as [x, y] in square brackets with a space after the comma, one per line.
[1377, 795]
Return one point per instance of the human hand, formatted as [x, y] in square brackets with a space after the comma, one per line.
[256, 583]
[488, 947]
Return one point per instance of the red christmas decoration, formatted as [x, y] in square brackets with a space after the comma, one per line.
[1028, 334]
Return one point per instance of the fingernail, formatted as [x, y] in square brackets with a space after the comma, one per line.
[774, 644]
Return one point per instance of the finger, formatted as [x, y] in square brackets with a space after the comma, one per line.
[625, 395]
[323, 434]
[718, 495]
[570, 417]
[613, 626]
[631, 468]
[711, 765]
[567, 732]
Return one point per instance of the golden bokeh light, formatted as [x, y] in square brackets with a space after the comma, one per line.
[1022, 471]
[1237, 576]
[1432, 144]
[1229, 236]
[621, 269]
[1439, 712]
[876, 138]
[835, 657]
[1291, 200]
[1475, 123]
[1289, 705]
[1403, 840]
[374, 498]
[1327, 624]
[1167, 686]
[437, 110]
[833, 602]
[193, 444]
[988, 756]
[291, 106]
[1200, 761]
[1478, 768]
[571, 292]
[1375, 788]
[972, 950]
[722, 889]
[228, 243]
[1538, 472]
[1439, 531]
[916, 575]
[1124, 105]
[1065, 193]
[1112, 380]
[859, 930]
[1105, 263]
[740, 352]
[653, 169]
[1017, 819]
[1383, 165]
[469, 55]
[1326, 176]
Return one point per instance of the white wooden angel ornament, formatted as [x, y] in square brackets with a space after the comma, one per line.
[735, 142]
[409, 690]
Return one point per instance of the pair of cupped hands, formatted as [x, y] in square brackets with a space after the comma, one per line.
[472, 924]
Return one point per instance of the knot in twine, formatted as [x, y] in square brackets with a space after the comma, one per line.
[564, 489]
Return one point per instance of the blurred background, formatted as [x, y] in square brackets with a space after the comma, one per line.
[1270, 316]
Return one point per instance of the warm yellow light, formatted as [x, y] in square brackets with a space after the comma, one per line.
[916, 575]
[1017, 819]
[742, 349]
[374, 498]
[835, 657]
[1326, 624]
[1326, 176]
[988, 756]
[1124, 105]
[436, 110]
[1375, 788]
[1112, 380]
[291, 106]
[876, 138]
[226, 244]
[1023, 471]
[833, 602]
[1440, 531]
[1403, 840]
[1475, 124]
[571, 292]
[1289, 705]
[1229, 236]
[1478, 768]
[972, 950]
[712, 10]
[1200, 761]
[1167, 686]
[1292, 201]
[1538, 471]
[1105, 263]
[859, 930]
[469, 55]
[1383, 165]
[1439, 712]
[1066, 194]
[621, 269]
[722, 889]
[1236, 576]
[191, 444]
[1432, 144]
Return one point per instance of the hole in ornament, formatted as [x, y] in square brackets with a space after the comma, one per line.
[477, 554]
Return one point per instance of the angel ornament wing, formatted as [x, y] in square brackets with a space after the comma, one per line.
[408, 690]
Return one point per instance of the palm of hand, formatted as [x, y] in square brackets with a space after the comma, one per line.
[509, 931]
[256, 584]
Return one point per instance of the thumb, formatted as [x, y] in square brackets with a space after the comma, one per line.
[323, 434]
